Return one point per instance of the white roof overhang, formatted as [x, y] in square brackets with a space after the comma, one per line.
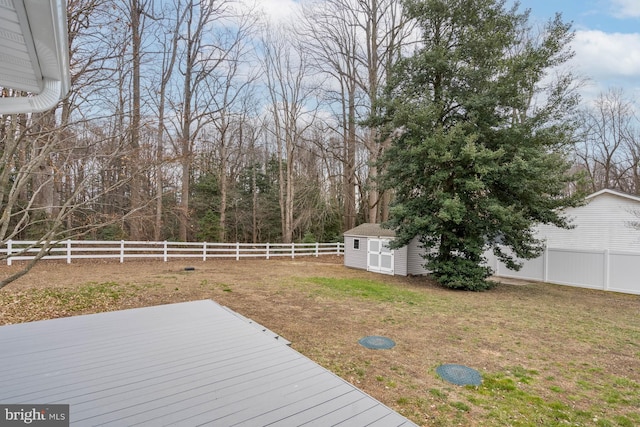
[34, 54]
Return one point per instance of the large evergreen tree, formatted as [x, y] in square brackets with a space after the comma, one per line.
[478, 129]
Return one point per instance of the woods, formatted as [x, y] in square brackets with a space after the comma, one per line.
[205, 120]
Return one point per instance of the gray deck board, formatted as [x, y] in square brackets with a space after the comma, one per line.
[185, 364]
[178, 407]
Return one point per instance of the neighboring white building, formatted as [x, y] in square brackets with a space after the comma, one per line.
[602, 251]
[603, 222]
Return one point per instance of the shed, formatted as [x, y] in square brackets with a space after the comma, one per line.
[367, 247]
[603, 222]
[183, 364]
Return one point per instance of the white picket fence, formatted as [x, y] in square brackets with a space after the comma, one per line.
[607, 270]
[69, 250]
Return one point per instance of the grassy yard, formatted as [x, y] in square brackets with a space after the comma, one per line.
[549, 355]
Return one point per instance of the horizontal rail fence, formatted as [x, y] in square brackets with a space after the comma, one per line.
[69, 250]
[607, 270]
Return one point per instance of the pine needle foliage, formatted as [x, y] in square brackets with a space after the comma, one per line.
[479, 119]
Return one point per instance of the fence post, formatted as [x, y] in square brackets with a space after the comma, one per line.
[164, 251]
[607, 255]
[317, 248]
[9, 242]
[68, 251]
[545, 263]
[293, 250]
[267, 250]
[237, 251]
[121, 251]
[204, 251]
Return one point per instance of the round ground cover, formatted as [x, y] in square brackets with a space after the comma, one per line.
[459, 374]
[375, 342]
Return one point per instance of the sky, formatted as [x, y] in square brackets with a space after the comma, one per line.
[606, 44]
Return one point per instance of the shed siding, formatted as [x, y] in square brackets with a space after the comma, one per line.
[603, 223]
[415, 261]
[400, 261]
[355, 258]
[406, 260]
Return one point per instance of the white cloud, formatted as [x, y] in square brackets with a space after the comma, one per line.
[626, 8]
[604, 55]
[609, 60]
[277, 10]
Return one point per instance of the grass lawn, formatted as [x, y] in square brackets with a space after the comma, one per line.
[549, 355]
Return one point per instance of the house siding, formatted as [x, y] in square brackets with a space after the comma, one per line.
[603, 223]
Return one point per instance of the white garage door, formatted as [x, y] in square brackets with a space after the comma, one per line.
[379, 256]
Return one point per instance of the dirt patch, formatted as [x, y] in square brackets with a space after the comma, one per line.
[544, 351]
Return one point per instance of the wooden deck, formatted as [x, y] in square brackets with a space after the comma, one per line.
[181, 364]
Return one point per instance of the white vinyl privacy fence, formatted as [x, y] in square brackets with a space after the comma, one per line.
[91, 249]
[607, 270]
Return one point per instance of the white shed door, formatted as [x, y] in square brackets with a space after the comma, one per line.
[379, 256]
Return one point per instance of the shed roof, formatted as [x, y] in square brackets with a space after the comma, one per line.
[370, 230]
[179, 364]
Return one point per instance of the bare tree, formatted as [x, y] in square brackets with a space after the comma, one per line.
[386, 31]
[136, 13]
[201, 54]
[24, 215]
[633, 159]
[608, 149]
[231, 97]
[168, 36]
[287, 70]
[355, 42]
[332, 40]
[50, 162]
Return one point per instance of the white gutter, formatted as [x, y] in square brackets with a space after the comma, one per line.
[34, 54]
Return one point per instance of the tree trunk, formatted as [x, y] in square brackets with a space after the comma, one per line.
[254, 205]
[350, 160]
[222, 177]
[135, 221]
[185, 158]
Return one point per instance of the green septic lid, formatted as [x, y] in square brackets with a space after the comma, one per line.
[375, 342]
[459, 374]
